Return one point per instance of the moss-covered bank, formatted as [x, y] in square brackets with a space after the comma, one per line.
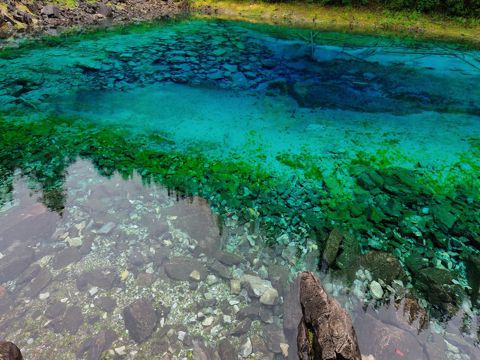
[348, 19]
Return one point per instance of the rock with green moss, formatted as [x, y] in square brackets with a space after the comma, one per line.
[332, 246]
[437, 285]
[383, 266]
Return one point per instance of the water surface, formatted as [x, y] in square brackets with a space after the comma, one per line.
[126, 150]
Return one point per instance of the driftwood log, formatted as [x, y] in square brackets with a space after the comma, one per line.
[326, 330]
[9, 351]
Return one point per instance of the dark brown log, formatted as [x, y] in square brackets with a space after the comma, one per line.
[326, 331]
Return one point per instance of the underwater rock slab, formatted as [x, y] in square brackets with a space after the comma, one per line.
[141, 319]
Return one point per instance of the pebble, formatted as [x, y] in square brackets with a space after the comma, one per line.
[93, 291]
[235, 287]
[74, 242]
[208, 321]
[195, 275]
[120, 350]
[211, 279]
[376, 290]
[284, 347]
[269, 297]
[124, 275]
[30, 341]
[181, 335]
[106, 229]
[44, 296]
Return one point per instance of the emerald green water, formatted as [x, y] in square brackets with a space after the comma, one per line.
[279, 136]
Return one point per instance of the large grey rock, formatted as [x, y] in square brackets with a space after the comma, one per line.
[333, 333]
[141, 320]
[51, 11]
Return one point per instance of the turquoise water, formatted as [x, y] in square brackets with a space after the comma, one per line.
[253, 139]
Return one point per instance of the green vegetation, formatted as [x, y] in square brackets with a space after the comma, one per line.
[465, 8]
[376, 20]
[386, 208]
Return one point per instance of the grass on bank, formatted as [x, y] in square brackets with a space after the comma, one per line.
[357, 20]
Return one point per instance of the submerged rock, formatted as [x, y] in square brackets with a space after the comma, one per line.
[257, 286]
[326, 331]
[10, 351]
[332, 246]
[384, 266]
[181, 269]
[141, 319]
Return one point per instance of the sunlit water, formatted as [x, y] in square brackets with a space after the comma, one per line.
[227, 91]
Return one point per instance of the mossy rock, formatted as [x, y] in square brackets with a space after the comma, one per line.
[383, 266]
[437, 286]
[332, 246]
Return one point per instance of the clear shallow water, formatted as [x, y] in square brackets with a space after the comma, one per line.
[314, 122]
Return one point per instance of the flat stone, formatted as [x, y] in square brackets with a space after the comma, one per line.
[180, 269]
[220, 269]
[103, 278]
[39, 283]
[141, 320]
[256, 285]
[72, 320]
[106, 303]
[66, 257]
[273, 336]
[228, 258]
[55, 309]
[13, 264]
[106, 228]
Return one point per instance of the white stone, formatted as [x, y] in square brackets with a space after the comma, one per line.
[258, 285]
[376, 290]
[44, 296]
[121, 350]
[284, 347]
[246, 348]
[93, 291]
[211, 279]
[208, 321]
[181, 335]
[227, 319]
[74, 242]
[269, 297]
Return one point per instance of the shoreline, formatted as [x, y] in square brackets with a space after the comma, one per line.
[43, 19]
[358, 21]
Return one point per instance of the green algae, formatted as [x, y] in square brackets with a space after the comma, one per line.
[386, 210]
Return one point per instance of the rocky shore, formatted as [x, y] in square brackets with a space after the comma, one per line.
[26, 16]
